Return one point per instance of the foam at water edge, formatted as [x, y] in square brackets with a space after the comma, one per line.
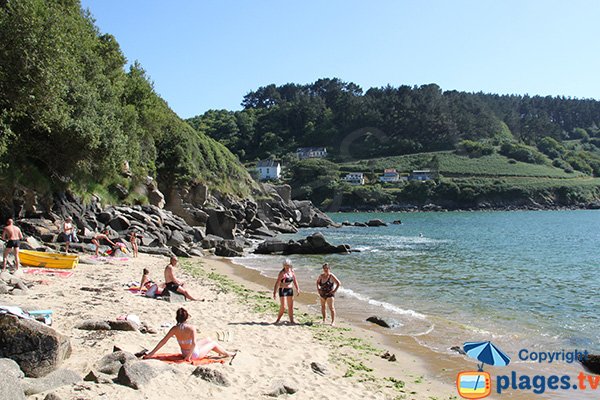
[387, 306]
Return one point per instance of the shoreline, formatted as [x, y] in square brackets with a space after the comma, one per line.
[268, 353]
[441, 368]
[413, 360]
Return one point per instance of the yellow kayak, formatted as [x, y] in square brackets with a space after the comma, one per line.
[40, 259]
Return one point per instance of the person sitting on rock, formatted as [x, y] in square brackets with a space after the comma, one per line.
[99, 237]
[173, 284]
[191, 348]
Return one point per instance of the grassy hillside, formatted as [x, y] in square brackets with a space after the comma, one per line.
[450, 164]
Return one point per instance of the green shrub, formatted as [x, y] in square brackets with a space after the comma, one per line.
[521, 152]
[474, 149]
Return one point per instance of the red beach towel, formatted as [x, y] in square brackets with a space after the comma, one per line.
[176, 358]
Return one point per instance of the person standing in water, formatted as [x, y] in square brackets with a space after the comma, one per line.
[284, 285]
[327, 285]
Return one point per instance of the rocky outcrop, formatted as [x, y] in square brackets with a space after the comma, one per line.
[37, 348]
[376, 222]
[314, 244]
[176, 226]
[220, 223]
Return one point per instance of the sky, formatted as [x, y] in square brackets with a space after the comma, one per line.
[208, 54]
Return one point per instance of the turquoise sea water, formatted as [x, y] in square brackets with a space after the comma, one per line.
[524, 279]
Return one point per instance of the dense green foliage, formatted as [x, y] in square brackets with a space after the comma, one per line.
[70, 116]
[354, 124]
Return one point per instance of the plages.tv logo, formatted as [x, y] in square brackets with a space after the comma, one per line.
[478, 384]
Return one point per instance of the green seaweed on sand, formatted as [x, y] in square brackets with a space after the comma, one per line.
[396, 383]
[346, 350]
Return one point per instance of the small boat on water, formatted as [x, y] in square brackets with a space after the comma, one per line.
[41, 259]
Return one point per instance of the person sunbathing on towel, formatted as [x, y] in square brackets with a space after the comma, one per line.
[173, 284]
[191, 348]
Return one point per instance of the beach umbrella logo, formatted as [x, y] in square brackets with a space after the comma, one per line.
[478, 384]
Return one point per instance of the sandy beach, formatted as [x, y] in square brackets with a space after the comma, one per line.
[231, 313]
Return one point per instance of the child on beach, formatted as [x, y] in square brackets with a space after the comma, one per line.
[152, 289]
[191, 348]
[133, 237]
[286, 281]
[327, 285]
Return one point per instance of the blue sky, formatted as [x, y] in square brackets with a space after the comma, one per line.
[205, 55]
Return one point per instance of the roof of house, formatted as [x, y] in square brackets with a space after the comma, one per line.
[307, 149]
[267, 164]
[421, 171]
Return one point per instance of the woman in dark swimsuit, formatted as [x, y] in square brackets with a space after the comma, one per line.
[286, 281]
[325, 286]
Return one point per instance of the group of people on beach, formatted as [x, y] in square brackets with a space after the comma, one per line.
[70, 236]
[327, 285]
[171, 283]
[185, 334]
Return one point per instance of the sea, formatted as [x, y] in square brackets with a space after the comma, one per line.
[522, 279]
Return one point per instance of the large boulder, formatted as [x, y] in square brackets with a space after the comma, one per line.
[220, 223]
[271, 246]
[285, 192]
[229, 248]
[111, 363]
[38, 227]
[51, 381]
[156, 198]
[376, 222]
[11, 380]
[136, 374]
[37, 348]
[119, 223]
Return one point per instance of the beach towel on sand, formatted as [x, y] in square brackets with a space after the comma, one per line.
[177, 358]
[50, 272]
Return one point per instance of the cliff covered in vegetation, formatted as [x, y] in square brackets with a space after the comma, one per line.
[72, 118]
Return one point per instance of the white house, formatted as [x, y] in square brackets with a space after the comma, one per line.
[268, 170]
[389, 175]
[355, 178]
[421, 175]
[311, 152]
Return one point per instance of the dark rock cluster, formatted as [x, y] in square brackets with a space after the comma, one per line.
[191, 221]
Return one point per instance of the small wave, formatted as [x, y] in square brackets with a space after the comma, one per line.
[364, 248]
[383, 304]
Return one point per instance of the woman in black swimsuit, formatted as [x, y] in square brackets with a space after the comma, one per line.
[286, 281]
[325, 285]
